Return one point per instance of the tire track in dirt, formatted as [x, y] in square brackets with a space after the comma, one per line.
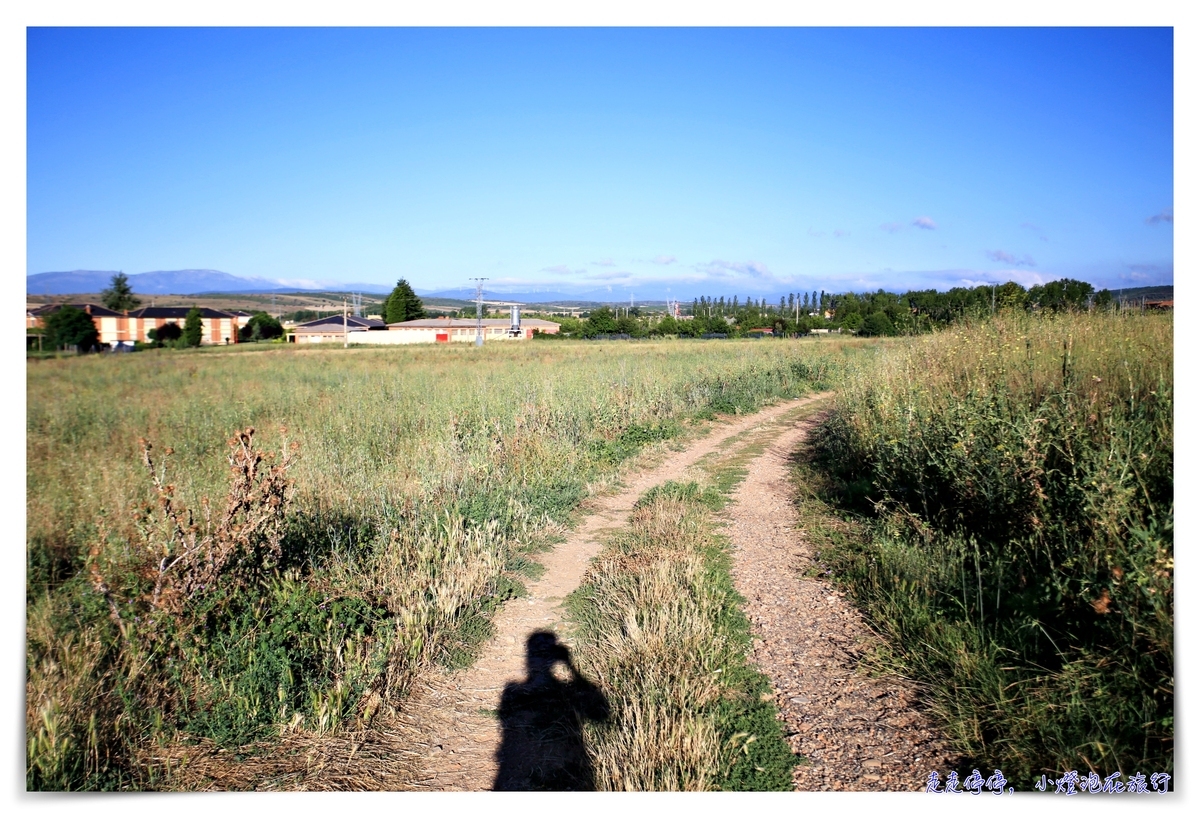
[856, 732]
[454, 710]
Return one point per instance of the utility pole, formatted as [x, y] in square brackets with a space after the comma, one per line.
[479, 311]
[345, 327]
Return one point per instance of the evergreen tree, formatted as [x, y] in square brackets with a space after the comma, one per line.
[403, 304]
[119, 296]
[193, 327]
[806, 303]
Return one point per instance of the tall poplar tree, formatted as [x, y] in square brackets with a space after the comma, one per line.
[193, 327]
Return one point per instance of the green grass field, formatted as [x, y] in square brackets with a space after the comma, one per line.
[425, 479]
[998, 497]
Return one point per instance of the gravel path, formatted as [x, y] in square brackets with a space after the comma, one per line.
[456, 710]
[858, 733]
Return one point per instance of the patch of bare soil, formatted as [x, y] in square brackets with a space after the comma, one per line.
[457, 711]
[857, 732]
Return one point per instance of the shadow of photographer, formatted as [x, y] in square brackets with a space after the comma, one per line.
[542, 720]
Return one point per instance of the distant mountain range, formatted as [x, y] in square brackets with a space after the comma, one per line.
[527, 297]
[183, 282]
[200, 282]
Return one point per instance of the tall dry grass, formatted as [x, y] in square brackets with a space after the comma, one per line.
[425, 478]
[1015, 477]
[659, 628]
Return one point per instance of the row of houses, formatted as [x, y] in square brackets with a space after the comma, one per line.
[118, 328]
[124, 327]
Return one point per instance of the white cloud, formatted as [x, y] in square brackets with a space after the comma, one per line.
[562, 269]
[613, 276]
[663, 259]
[978, 278]
[727, 269]
[605, 262]
[302, 283]
[925, 223]
[1009, 258]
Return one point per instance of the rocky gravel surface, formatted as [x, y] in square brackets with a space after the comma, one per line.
[856, 732]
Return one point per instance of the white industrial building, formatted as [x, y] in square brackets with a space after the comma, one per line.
[420, 330]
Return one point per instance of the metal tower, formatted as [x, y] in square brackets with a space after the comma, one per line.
[479, 311]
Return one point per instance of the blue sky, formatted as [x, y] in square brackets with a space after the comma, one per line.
[703, 161]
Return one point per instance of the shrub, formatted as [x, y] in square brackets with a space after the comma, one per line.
[165, 335]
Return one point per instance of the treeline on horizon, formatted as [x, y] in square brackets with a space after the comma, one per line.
[877, 313]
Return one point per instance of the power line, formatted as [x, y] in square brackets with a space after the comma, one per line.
[479, 311]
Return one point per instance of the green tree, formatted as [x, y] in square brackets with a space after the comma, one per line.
[193, 329]
[601, 320]
[70, 326]
[261, 326]
[1064, 294]
[667, 326]
[631, 326]
[877, 323]
[570, 327]
[119, 295]
[852, 321]
[403, 304]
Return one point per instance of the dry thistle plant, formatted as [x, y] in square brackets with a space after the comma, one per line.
[180, 558]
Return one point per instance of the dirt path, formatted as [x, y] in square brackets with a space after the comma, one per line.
[457, 708]
[859, 733]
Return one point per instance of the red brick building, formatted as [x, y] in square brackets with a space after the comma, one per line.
[218, 327]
